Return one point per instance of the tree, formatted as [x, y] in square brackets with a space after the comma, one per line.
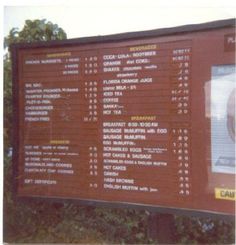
[35, 30]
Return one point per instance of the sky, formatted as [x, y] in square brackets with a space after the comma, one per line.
[101, 17]
[81, 18]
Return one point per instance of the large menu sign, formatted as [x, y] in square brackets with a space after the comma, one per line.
[140, 118]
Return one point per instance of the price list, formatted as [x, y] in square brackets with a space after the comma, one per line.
[145, 128]
[108, 122]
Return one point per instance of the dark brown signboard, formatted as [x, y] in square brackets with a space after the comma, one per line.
[140, 118]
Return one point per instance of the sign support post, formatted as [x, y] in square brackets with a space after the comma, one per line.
[161, 227]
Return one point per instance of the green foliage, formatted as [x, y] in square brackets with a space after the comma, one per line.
[35, 30]
[204, 231]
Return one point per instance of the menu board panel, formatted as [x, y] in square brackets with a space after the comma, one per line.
[125, 121]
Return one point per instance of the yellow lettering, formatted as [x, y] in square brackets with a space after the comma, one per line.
[144, 47]
[59, 142]
[59, 54]
[143, 118]
[225, 194]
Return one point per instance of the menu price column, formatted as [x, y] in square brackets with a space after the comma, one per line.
[90, 92]
[90, 118]
[93, 167]
[180, 151]
[180, 78]
[180, 132]
[90, 88]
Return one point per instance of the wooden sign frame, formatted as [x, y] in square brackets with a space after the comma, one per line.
[206, 50]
